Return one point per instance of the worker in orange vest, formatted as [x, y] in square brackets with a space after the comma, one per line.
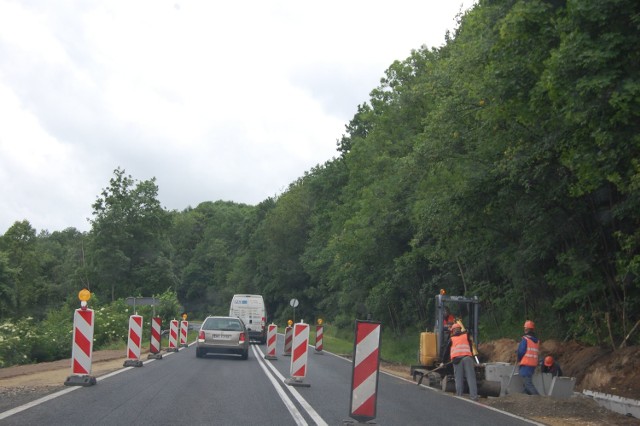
[528, 357]
[459, 349]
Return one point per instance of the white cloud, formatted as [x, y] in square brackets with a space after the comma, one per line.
[217, 100]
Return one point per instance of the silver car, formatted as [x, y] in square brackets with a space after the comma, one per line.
[222, 335]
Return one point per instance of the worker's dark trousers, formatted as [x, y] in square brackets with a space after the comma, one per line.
[465, 369]
[529, 388]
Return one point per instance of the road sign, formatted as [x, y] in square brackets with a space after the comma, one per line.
[134, 301]
[294, 303]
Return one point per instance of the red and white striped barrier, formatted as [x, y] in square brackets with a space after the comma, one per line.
[184, 328]
[135, 340]
[272, 337]
[288, 340]
[173, 336]
[154, 341]
[319, 338]
[366, 366]
[82, 349]
[299, 355]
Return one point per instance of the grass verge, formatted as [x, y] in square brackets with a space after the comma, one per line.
[393, 348]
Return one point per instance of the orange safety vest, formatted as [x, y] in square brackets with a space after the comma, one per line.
[530, 357]
[460, 346]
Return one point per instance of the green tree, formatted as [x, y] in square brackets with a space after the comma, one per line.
[591, 87]
[20, 245]
[63, 266]
[129, 244]
[205, 241]
[283, 234]
[7, 287]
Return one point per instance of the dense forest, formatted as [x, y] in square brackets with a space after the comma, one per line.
[504, 164]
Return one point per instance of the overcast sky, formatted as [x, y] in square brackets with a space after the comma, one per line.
[217, 100]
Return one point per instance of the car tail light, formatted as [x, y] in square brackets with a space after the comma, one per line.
[241, 338]
[264, 321]
[201, 336]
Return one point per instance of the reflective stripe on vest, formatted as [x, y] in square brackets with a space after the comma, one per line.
[460, 346]
[530, 357]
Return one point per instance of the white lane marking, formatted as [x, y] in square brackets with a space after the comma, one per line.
[54, 395]
[515, 416]
[297, 416]
[298, 397]
[28, 405]
[303, 402]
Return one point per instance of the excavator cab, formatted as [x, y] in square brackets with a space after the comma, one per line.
[466, 311]
[433, 344]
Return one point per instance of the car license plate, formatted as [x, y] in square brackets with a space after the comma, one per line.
[222, 336]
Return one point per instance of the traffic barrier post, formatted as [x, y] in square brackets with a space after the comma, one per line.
[155, 340]
[365, 371]
[82, 349]
[319, 338]
[173, 336]
[288, 340]
[184, 329]
[299, 355]
[135, 339]
[272, 337]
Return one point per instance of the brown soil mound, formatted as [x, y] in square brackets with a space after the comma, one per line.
[502, 350]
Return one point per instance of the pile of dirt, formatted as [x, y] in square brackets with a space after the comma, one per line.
[595, 368]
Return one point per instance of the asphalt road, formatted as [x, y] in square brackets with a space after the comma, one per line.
[224, 390]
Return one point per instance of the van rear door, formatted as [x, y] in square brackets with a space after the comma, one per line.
[251, 310]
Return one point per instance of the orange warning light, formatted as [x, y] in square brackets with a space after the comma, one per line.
[84, 295]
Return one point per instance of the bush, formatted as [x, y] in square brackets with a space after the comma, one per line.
[111, 324]
[27, 341]
[53, 339]
[16, 342]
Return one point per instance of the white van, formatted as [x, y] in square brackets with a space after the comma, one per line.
[251, 310]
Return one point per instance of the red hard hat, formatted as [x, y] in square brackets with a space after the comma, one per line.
[548, 361]
[529, 324]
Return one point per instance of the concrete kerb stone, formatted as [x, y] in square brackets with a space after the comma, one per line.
[625, 406]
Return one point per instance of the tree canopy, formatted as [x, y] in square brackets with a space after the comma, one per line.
[503, 164]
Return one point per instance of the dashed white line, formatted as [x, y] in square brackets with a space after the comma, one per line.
[295, 413]
[303, 402]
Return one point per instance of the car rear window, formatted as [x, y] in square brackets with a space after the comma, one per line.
[222, 324]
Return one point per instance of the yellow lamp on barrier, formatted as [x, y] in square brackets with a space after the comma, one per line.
[319, 321]
[84, 295]
[289, 323]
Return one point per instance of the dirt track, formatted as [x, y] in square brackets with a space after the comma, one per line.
[48, 373]
[25, 383]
